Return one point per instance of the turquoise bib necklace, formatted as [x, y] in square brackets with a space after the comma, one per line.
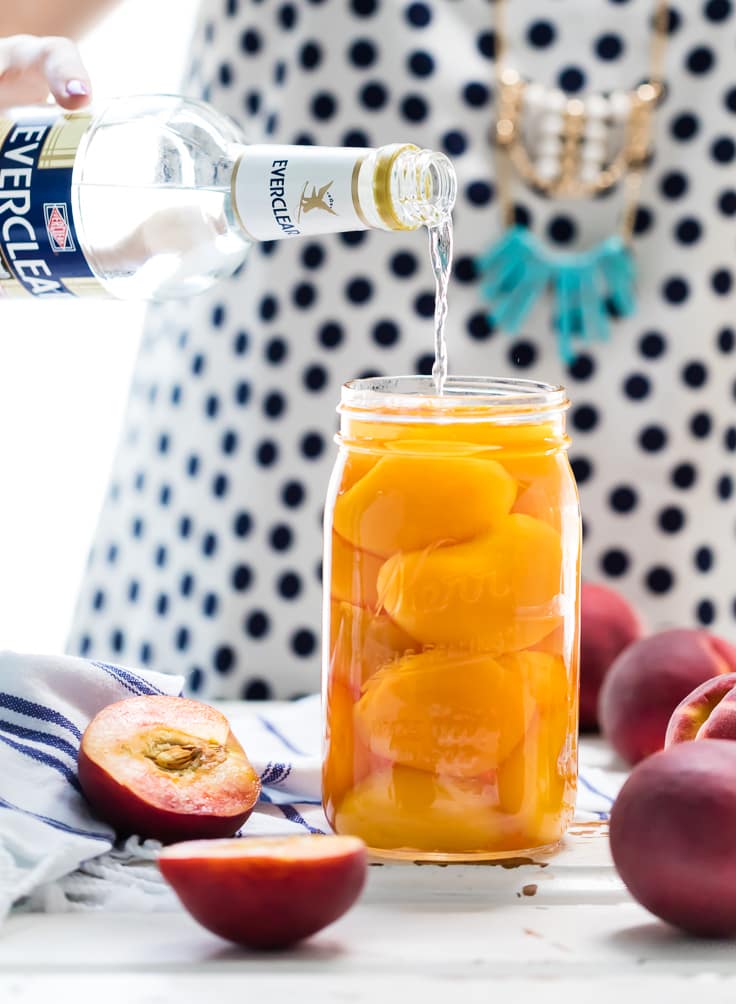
[573, 160]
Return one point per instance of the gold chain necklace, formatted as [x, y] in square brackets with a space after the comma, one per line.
[571, 163]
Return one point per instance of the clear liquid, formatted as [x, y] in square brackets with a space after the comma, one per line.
[440, 253]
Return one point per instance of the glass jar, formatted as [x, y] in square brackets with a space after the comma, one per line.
[451, 619]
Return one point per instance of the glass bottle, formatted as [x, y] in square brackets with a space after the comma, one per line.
[451, 619]
[159, 196]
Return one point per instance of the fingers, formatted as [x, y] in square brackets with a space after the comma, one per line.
[31, 66]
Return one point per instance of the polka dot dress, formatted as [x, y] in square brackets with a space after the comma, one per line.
[207, 555]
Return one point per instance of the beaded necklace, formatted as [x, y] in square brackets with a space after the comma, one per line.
[584, 147]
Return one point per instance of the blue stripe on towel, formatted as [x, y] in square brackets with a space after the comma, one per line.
[41, 757]
[596, 791]
[280, 736]
[40, 711]
[132, 682]
[603, 816]
[34, 735]
[295, 817]
[56, 823]
[275, 773]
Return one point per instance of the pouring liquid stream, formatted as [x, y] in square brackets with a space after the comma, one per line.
[440, 252]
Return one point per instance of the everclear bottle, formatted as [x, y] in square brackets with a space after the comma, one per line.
[158, 197]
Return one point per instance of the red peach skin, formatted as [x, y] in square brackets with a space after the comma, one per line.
[607, 625]
[647, 682]
[672, 836]
[709, 712]
[266, 892]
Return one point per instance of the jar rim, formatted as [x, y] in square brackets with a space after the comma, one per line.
[464, 398]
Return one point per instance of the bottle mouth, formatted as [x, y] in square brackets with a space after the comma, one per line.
[406, 399]
[426, 186]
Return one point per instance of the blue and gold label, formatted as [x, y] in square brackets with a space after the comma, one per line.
[40, 253]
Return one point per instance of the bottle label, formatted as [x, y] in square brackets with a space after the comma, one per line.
[289, 191]
[40, 253]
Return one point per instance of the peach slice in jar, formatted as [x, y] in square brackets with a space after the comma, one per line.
[361, 642]
[535, 779]
[546, 490]
[449, 712]
[347, 758]
[501, 590]
[353, 573]
[357, 465]
[409, 501]
[404, 809]
[552, 643]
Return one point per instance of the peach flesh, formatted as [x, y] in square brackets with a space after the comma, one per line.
[608, 625]
[671, 834]
[408, 502]
[266, 892]
[709, 712]
[647, 682]
[167, 768]
[447, 595]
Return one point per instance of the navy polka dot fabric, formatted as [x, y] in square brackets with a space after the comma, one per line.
[207, 555]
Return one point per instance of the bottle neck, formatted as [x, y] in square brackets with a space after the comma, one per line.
[401, 187]
[290, 191]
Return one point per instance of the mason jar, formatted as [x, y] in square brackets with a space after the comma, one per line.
[451, 619]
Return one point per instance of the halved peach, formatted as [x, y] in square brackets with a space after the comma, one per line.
[167, 768]
[452, 712]
[410, 501]
[502, 590]
[266, 892]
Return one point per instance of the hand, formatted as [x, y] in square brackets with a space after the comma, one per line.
[31, 66]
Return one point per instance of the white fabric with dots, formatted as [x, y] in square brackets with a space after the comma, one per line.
[206, 558]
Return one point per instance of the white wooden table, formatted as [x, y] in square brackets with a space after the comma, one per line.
[547, 932]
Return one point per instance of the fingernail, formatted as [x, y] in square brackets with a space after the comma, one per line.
[76, 88]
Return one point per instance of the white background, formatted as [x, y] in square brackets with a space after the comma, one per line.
[64, 372]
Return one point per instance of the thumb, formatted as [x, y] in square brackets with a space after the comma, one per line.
[65, 72]
[31, 66]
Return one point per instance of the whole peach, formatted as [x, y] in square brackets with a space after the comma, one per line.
[607, 625]
[649, 679]
[709, 712]
[672, 836]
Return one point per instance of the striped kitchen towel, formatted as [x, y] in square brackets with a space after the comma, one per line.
[46, 828]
